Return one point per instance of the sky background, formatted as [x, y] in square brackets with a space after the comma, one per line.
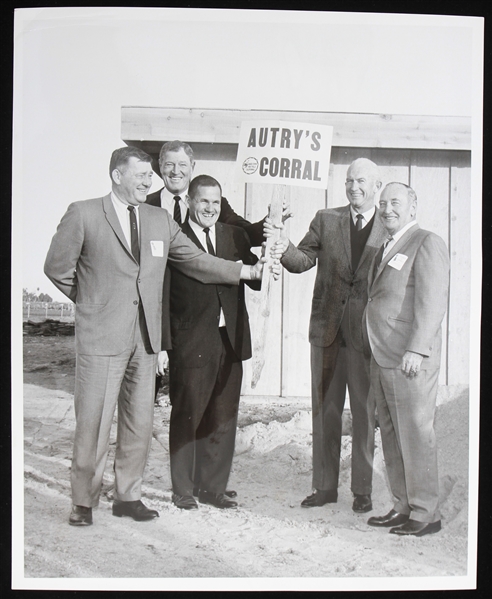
[75, 68]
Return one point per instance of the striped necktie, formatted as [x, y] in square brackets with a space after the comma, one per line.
[177, 210]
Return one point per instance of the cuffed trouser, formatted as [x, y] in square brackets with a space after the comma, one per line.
[406, 410]
[204, 412]
[333, 368]
[100, 382]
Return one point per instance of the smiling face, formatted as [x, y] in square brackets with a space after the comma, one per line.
[132, 181]
[205, 206]
[362, 184]
[176, 170]
[397, 207]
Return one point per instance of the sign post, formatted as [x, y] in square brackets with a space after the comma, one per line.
[281, 153]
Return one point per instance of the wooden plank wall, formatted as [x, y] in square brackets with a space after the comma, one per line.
[441, 180]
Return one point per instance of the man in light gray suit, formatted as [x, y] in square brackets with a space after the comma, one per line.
[109, 256]
[342, 241]
[408, 295]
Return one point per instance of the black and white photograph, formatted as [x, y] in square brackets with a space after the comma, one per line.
[246, 299]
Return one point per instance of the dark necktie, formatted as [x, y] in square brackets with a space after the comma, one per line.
[177, 210]
[134, 234]
[379, 259]
[210, 247]
[358, 224]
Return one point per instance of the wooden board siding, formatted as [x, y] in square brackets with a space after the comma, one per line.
[350, 129]
[420, 157]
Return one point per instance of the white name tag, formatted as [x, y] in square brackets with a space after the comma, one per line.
[157, 248]
[398, 261]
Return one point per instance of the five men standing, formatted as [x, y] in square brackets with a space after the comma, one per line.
[109, 256]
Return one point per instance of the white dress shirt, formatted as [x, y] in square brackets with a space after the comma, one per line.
[123, 215]
[167, 202]
[397, 236]
[366, 216]
[202, 238]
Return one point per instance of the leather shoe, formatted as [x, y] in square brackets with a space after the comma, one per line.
[362, 503]
[392, 518]
[229, 493]
[135, 509]
[184, 502]
[80, 516]
[216, 499]
[319, 498]
[416, 529]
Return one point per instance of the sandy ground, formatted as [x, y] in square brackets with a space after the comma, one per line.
[268, 535]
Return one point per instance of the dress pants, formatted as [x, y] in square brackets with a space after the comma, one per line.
[204, 412]
[101, 382]
[406, 410]
[333, 368]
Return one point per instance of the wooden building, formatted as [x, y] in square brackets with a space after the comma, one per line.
[430, 153]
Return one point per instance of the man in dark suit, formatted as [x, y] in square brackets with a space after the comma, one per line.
[176, 165]
[408, 296]
[210, 338]
[342, 241]
[109, 256]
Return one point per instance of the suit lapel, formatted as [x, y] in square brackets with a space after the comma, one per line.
[114, 223]
[345, 230]
[395, 249]
[144, 232]
[219, 250]
[372, 241]
[185, 227]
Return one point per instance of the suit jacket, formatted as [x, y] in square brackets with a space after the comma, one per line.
[227, 216]
[90, 261]
[337, 287]
[405, 307]
[195, 307]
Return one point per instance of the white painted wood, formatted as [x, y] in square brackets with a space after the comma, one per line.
[350, 129]
[458, 321]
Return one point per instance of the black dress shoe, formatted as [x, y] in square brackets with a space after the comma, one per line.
[319, 498]
[80, 516]
[216, 499]
[134, 509]
[230, 493]
[416, 529]
[184, 502]
[392, 518]
[362, 503]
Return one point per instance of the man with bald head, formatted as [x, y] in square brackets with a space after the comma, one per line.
[343, 242]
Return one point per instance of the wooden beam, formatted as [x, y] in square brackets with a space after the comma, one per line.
[150, 125]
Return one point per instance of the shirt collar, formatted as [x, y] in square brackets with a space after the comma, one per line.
[198, 230]
[119, 204]
[401, 232]
[368, 214]
[167, 195]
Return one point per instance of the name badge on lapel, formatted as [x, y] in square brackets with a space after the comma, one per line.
[398, 261]
[157, 248]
